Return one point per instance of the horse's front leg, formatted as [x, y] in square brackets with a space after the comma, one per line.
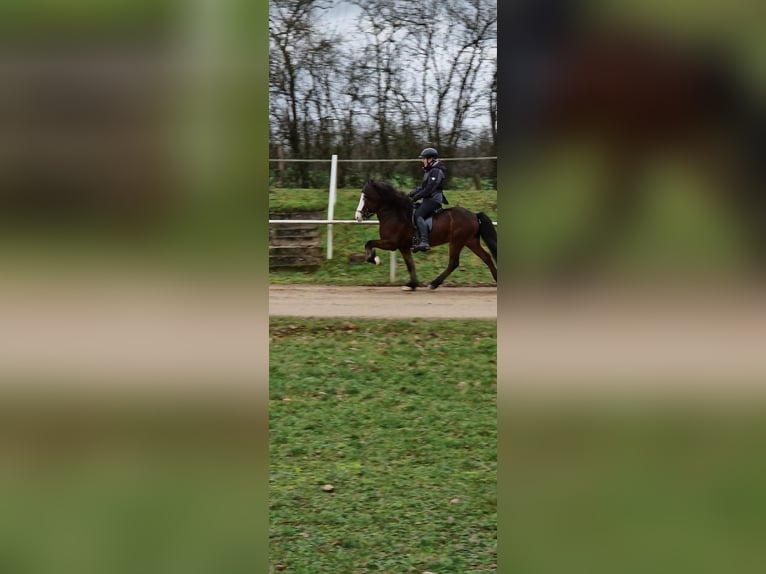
[408, 260]
[369, 249]
[371, 256]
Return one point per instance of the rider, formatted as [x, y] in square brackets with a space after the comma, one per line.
[431, 190]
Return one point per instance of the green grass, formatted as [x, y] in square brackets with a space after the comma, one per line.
[98, 486]
[301, 200]
[678, 226]
[79, 17]
[633, 490]
[199, 236]
[400, 417]
[125, 514]
[349, 239]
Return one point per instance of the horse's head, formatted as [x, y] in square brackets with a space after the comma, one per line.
[378, 197]
[368, 204]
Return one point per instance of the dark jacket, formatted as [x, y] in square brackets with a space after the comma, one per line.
[432, 186]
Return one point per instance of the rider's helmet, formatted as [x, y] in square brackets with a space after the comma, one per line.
[429, 153]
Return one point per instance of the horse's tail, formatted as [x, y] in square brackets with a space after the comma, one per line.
[488, 233]
[755, 145]
[745, 114]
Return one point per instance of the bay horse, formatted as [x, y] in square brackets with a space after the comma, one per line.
[455, 226]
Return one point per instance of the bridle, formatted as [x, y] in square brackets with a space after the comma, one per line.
[365, 212]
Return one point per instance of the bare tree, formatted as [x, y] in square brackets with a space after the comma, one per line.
[455, 51]
[492, 106]
[411, 75]
[380, 64]
[293, 37]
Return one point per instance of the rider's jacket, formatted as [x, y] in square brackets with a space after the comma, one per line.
[432, 186]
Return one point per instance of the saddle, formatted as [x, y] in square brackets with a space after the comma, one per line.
[429, 224]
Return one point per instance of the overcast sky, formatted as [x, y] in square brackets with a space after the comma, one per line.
[342, 16]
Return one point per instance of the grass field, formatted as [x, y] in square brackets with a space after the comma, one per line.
[160, 489]
[350, 239]
[679, 226]
[400, 418]
[618, 488]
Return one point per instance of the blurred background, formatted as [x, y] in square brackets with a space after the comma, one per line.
[633, 139]
[133, 141]
[127, 129]
[133, 289]
[631, 312]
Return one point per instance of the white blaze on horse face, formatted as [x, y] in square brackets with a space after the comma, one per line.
[359, 209]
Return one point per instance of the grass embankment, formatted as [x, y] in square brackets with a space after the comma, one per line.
[350, 239]
[400, 418]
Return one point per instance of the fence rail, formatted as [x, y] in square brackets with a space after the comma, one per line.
[378, 160]
[322, 221]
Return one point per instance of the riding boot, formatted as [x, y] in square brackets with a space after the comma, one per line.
[423, 236]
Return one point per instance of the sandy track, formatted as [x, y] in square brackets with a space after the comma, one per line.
[101, 331]
[146, 333]
[383, 302]
[634, 340]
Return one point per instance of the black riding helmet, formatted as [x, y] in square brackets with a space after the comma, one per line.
[429, 152]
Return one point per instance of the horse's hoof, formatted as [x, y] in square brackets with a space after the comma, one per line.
[407, 288]
[431, 286]
[377, 260]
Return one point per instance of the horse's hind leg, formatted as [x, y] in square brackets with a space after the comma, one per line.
[454, 261]
[476, 247]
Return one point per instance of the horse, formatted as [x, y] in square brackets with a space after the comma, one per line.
[455, 226]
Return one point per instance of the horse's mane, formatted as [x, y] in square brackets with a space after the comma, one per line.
[386, 193]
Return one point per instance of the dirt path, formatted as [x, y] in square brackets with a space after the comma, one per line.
[383, 302]
[632, 339]
[142, 332]
[664, 339]
[127, 333]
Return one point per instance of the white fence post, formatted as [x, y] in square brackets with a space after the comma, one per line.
[331, 202]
